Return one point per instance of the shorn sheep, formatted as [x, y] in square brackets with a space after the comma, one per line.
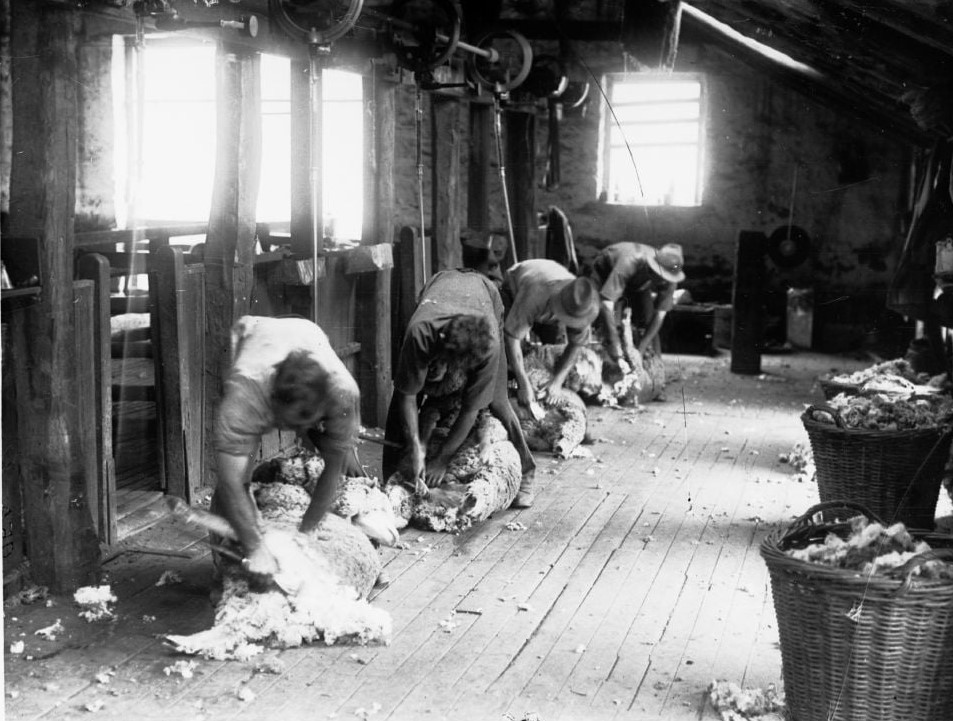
[324, 576]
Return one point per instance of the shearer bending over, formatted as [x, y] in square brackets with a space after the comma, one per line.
[451, 346]
[646, 278]
[542, 292]
[284, 374]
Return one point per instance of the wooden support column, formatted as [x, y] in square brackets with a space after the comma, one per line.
[61, 539]
[95, 267]
[520, 152]
[230, 244]
[478, 169]
[445, 119]
[374, 289]
[747, 300]
[302, 213]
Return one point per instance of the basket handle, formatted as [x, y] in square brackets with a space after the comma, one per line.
[804, 520]
[906, 570]
[826, 408]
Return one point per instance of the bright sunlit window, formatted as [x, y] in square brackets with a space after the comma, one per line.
[652, 149]
[179, 135]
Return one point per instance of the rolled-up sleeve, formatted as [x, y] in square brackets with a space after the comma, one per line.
[243, 416]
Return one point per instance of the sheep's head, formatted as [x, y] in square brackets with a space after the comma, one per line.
[368, 508]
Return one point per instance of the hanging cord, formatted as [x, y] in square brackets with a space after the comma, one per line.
[498, 131]
[791, 206]
[418, 126]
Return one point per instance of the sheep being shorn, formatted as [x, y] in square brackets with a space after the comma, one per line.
[321, 588]
[595, 377]
[482, 478]
[561, 430]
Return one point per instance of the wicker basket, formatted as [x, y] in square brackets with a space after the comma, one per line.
[896, 474]
[856, 647]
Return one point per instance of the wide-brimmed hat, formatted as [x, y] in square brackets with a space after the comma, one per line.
[668, 262]
[577, 302]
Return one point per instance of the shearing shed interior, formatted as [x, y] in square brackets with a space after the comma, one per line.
[539, 360]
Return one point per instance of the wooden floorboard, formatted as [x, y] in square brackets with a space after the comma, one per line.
[632, 583]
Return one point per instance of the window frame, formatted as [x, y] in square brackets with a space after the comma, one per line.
[608, 123]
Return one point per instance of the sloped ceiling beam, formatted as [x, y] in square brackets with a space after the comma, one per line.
[890, 118]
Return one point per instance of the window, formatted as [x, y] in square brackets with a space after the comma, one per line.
[652, 140]
[177, 170]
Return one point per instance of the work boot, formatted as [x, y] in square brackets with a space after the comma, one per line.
[527, 492]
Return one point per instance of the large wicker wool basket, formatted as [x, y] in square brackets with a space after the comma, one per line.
[857, 647]
[896, 474]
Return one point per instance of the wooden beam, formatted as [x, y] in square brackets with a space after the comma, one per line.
[61, 540]
[445, 119]
[478, 167]
[302, 238]
[866, 108]
[520, 155]
[95, 267]
[230, 244]
[373, 291]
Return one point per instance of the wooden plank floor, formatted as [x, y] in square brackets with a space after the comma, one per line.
[633, 582]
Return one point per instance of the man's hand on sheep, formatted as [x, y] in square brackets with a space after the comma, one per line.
[525, 397]
[436, 470]
[261, 562]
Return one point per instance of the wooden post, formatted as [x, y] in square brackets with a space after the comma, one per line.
[406, 290]
[521, 181]
[301, 210]
[61, 540]
[179, 333]
[445, 172]
[230, 244]
[95, 267]
[747, 300]
[478, 168]
[374, 289]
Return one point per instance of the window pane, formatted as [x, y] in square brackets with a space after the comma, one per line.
[653, 141]
[642, 112]
[178, 147]
[655, 134]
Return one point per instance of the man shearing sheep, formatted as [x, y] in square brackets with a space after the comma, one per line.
[646, 278]
[451, 346]
[543, 292]
[284, 374]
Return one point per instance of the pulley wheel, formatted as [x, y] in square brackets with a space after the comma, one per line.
[789, 246]
[317, 22]
[547, 77]
[425, 32]
[514, 60]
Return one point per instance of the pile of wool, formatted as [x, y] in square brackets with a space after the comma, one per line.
[801, 459]
[285, 485]
[734, 703]
[560, 430]
[898, 367]
[884, 412]
[299, 467]
[872, 548]
[325, 577]
[482, 478]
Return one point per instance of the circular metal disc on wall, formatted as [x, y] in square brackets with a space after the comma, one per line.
[789, 246]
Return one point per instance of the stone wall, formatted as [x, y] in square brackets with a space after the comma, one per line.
[851, 193]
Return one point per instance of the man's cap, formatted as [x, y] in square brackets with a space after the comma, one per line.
[668, 262]
[577, 302]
